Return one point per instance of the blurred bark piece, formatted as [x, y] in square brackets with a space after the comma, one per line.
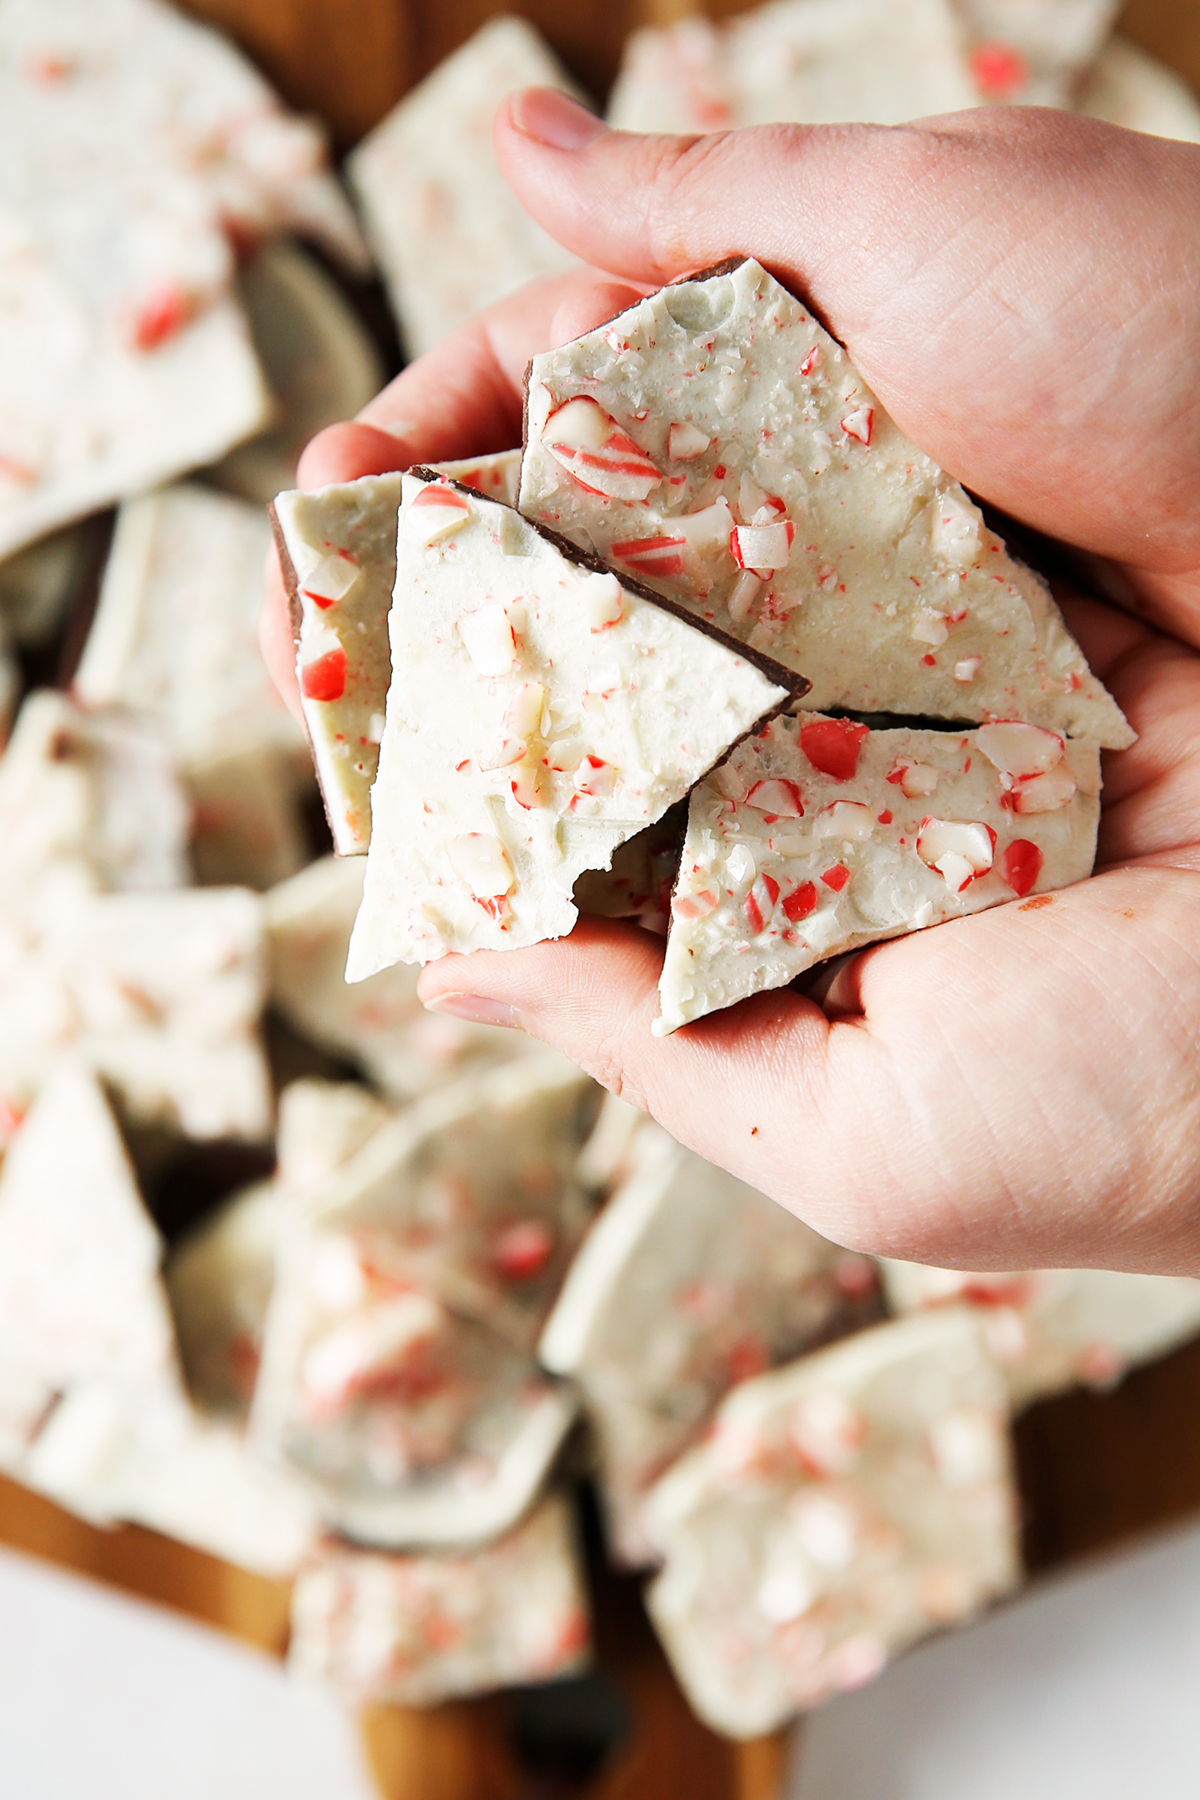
[348, 60]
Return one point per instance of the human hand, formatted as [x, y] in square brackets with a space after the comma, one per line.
[1016, 1089]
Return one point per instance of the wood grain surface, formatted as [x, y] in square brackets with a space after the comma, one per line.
[1094, 1469]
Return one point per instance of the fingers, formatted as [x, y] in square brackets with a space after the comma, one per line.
[346, 452]
[1004, 279]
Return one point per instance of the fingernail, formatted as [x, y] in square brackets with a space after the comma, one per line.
[477, 1008]
[551, 118]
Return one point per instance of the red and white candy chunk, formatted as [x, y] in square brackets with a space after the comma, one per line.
[591, 446]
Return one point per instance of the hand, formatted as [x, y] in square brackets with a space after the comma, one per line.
[1018, 1089]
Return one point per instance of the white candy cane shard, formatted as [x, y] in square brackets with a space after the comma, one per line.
[840, 1509]
[1023, 52]
[413, 1630]
[81, 1296]
[1126, 87]
[446, 228]
[688, 1283]
[480, 832]
[338, 553]
[318, 358]
[378, 1023]
[885, 832]
[397, 1378]
[817, 61]
[892, 586]
[1051, 1329]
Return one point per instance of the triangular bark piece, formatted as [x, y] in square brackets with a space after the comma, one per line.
[718, 444]
[81, 1296]
[541, 712]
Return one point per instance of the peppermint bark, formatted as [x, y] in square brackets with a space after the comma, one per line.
[819, 835]
[815, 61]
[688, 1283]
[1050, 1329]
[718, 444]
[840, 1509]
[397, 1378]
[541, 712]
[446, 229]
[337, 549]
[415, 1630]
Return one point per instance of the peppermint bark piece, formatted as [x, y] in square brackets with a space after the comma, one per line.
[93, 794]
[397, 1379]
[81, 1297]
[176, 636]
[813, 61]
[416, 1630]
[1031, 54]
[841, 1508]
[1126, 87]
[720, 445]
[220, 1276]
[319, 361]
[820, 835]
[1050, 1329]
[159, 993]
[175, 1471]
[541, 712]
[688, 1283]
[446, 229]
[337, 549]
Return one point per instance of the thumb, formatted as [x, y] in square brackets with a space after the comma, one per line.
[1001, 278]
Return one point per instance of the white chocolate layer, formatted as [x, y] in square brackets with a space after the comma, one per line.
[786, 864]
[881, 583]
[540, 713]
[80, 1293]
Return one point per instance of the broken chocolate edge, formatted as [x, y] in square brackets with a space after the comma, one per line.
[291, 582]
[795, 686]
